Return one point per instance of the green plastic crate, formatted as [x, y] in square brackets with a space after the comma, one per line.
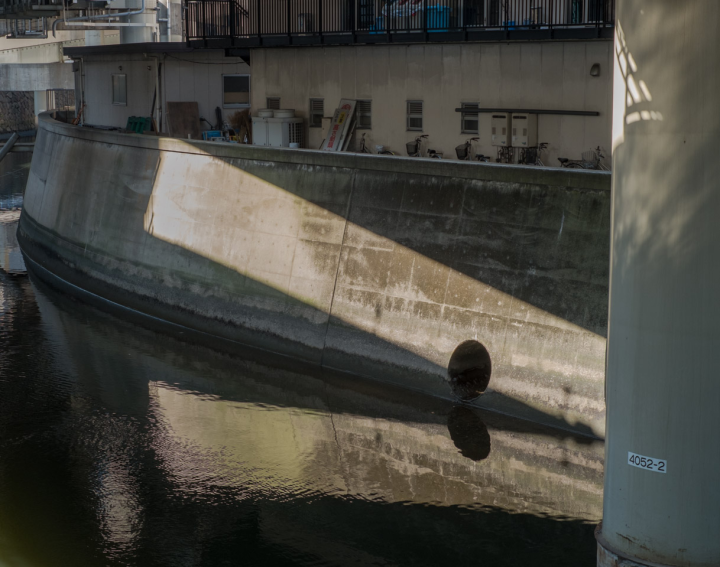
[139, 124]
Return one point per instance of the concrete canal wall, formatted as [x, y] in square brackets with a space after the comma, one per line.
[375, 265]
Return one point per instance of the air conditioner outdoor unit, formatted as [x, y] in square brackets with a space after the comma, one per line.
[279, 131]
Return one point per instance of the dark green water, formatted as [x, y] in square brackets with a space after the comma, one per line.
[122, 446]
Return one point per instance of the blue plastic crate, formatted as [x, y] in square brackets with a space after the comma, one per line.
[208, 134]
[437, 18]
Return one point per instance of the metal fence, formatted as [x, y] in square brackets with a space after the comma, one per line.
[208, 19]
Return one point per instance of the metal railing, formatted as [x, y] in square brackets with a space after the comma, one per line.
[212, 19]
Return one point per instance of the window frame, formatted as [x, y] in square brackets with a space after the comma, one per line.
[112, 88]
[409, 115]
[463, 115]
[313, 113]
[364, 113]
[222, 86]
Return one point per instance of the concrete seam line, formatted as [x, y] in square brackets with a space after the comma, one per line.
[583, 180]
[337, 269]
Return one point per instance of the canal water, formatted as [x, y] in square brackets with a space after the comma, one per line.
[121, 445]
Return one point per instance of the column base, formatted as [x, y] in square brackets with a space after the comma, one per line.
[608, 557]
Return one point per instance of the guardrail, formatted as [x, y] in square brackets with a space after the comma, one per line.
[256, 20]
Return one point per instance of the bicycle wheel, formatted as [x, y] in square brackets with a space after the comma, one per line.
[574, 166]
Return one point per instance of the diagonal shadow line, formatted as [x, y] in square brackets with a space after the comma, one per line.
[547, 246]
[107, 218]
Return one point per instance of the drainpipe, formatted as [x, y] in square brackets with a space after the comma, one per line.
[100, 17]
[158, 101]
[82, 90]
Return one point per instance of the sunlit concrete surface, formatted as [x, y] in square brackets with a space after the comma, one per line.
[377, 266]
[664, 322]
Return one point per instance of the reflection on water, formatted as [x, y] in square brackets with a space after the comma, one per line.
[122, 446]
[14, 170]
[11, 260]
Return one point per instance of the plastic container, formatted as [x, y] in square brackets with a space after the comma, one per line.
[438, 18]
[285, 113]
[210, 134]
[379, 25]
[294, 145]
[265, 113]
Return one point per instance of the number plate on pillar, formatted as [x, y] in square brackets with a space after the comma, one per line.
[647, 463]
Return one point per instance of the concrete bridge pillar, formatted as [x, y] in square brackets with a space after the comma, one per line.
[140, 34]
[93, 37]
[39, 103]
[662, 468]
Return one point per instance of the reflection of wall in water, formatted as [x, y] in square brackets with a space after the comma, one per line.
[263, 439]
[10, 256]
[263, 427]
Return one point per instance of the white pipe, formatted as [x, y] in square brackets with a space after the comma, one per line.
[100, 17]
[112, 25]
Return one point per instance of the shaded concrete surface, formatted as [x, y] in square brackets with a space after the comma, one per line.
[36, 76]
[376, 266]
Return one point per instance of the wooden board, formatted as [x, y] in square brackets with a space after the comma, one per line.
[183, 118]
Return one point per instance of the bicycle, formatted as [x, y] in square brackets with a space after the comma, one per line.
[414, 149]
[381, 150]
[531, 156]
[590, 160]
[363, 149]
[464, 151]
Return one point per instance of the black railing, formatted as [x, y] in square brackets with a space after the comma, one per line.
[258, 19]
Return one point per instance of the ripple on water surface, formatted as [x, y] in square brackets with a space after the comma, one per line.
[122, 446]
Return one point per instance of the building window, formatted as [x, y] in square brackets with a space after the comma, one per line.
[470, 123]
[317, 111]
[236, 91]
[119, 89]
[363, 113]
[273, 102]
[415, 115]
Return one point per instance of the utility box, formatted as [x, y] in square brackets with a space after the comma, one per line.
[282, 130]
[500, 133]
[524, 130]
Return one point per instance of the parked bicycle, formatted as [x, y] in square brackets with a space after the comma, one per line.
[379, 149]
[590, 160]
[532, 156]
[465, 152]
[414, 149]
